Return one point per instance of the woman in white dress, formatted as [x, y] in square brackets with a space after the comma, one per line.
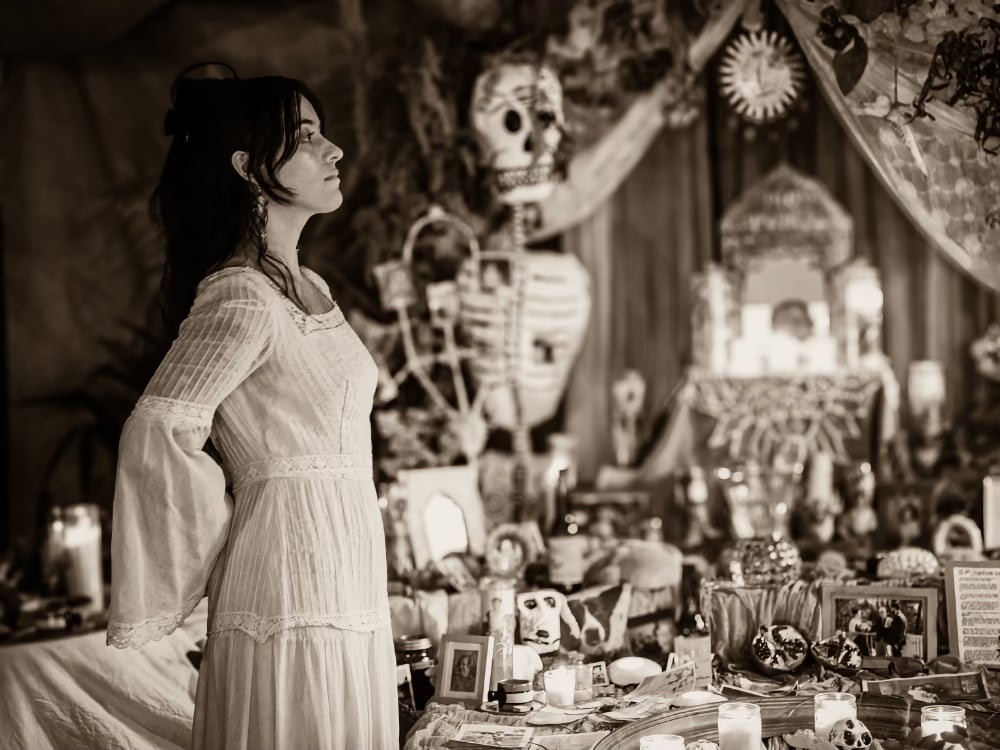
[299, 653]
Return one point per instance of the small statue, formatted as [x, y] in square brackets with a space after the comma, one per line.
[628, 394]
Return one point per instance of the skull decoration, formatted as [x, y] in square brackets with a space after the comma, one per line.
[518, 117]
[850, 734]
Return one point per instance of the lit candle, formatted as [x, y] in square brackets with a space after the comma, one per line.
[661, 742]
[831, 708]
[560, 683]
[937, 719]
[82, 547]
[739, 726]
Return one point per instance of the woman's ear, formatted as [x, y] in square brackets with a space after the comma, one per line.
[239, 161]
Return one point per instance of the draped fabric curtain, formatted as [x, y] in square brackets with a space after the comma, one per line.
[643, 244]
[939, 175]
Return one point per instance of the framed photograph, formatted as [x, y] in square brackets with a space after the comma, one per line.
[404, 687]
[395, 284]
[972, 592]
[466, 664]
[884, 621]
[934, 688]
[600, 670]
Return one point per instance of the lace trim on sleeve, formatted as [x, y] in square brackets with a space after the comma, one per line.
[185, 413]
[135, 635]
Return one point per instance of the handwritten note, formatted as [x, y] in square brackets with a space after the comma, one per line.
[973, 590]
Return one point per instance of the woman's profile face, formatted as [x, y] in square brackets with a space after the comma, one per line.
[311, 174]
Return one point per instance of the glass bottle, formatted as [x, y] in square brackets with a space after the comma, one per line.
[567, 547]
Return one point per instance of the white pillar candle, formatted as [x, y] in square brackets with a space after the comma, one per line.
[82, 550]
[740, 726]
[831, 708]
[661, 742]
[560, 683]
[936, 719]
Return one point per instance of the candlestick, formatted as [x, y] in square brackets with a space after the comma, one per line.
[740, 726]
[831, 708]
[661, 742]
[936, 719]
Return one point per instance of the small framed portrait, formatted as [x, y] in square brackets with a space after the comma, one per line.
[395, 284]
[443, 303]
[600, 674]
[884, 621]
[972, 591]
[466, 665]
[495, 272]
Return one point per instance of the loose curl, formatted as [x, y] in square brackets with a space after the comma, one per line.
[205, 209]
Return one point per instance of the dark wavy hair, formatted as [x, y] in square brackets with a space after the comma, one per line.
[205, 209]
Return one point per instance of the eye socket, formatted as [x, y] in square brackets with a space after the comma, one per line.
[512, 120]
[530, 604]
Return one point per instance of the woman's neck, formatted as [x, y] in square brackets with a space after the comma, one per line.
[284, 228]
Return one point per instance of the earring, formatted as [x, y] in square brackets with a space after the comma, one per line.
[260, 211]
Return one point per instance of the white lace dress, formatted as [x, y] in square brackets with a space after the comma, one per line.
[299, 652]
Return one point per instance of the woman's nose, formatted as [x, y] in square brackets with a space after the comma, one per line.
[335, 153]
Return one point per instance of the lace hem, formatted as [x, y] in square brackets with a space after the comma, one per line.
[323, 466]
[136, 635]
[185, 413]
[262, 628]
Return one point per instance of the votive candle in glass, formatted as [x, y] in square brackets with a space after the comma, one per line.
[560, 683]
[831, 708]
[936, 718]
[661, 742]
[739, 726]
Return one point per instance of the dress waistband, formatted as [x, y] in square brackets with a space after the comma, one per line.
[322, 466]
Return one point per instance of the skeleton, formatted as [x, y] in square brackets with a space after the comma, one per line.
[524, 313]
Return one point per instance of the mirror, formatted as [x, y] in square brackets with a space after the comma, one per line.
[444, 512]
[787, 298]
[445, 518]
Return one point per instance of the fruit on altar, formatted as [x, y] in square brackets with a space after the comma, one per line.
[837, 652]
[778, 648]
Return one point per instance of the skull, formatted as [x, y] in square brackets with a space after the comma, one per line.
[850, 734]
[518, 117]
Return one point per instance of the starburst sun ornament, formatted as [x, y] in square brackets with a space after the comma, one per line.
[761, 75]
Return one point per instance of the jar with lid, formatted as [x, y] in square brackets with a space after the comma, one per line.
[416, 650]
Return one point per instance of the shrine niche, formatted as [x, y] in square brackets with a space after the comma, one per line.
[787, 353]
[787, 298]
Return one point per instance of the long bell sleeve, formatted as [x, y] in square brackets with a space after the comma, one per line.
[171, 512]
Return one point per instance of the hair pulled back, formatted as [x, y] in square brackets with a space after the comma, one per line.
[205, 208]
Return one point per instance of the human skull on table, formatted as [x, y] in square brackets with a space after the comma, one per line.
[850, 734]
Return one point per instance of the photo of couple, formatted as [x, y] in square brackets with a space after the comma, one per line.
[883, 627]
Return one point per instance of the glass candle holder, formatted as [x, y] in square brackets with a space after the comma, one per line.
[661, 742]
[584, 690]
[739, 726]
[560, 684]
[938, 719]
[831, 708]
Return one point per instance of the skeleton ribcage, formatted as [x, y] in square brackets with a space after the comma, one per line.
[531, 344]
